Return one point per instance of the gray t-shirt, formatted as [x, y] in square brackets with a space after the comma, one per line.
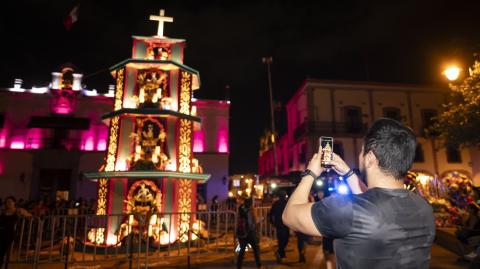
[381, 228]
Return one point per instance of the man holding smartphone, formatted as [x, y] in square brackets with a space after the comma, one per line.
[379, 226]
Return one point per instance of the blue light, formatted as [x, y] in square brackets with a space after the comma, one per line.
[342, 189]
[341, 178]
[330, 189]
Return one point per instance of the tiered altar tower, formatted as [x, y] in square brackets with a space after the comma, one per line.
[149, 165]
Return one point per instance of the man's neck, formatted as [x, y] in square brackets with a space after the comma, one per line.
[380, 180]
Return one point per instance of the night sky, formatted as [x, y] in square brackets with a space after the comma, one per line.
[387, 41]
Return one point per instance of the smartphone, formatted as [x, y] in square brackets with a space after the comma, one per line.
[326, 148]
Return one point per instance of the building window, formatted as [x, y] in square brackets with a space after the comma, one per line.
[392, 113]
[353, 119]
[453, 155]
[427, 118]
[338, 149]
[419, 156]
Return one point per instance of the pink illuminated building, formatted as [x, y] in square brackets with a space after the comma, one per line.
[50, 136]
[211, 146]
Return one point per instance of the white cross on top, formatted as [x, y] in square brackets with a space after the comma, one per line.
[161, 19]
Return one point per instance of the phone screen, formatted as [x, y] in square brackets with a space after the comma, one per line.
[326, 148]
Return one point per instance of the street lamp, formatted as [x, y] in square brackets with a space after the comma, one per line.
[268, 61]
[452, 72]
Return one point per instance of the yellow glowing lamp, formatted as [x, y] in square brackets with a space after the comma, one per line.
[452, 73]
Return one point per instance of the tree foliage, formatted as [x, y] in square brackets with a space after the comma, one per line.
[458, 124]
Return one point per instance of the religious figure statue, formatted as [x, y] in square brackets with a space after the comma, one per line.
[149, 146]
[157, 53]
[163, 54]
[148, 139]
[143, 194]
[151, 87]
[144, 217]
[150, 54]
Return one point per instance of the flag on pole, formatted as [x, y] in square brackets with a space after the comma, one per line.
[71, 18]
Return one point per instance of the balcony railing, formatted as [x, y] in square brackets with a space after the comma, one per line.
[329, 128]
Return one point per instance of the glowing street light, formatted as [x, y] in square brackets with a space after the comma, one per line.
[452, 73]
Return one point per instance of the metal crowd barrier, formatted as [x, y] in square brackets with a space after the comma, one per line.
[67, 240]
[266, 228]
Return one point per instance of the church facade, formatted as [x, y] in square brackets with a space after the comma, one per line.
[51, 135]
[345, 110]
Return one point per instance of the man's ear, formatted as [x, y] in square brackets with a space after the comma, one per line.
[371, 159]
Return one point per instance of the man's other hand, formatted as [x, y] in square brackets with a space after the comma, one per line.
[339, 165]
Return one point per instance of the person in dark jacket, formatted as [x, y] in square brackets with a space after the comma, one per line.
[282, 231]
[8, 221]
[246, 232]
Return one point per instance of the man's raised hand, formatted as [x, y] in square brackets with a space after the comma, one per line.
[339, 165]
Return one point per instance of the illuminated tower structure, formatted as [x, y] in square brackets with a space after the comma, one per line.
[149, 165]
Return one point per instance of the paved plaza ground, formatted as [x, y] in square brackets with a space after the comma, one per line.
[441, 259]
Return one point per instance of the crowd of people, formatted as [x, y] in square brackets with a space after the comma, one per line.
[46, 206]
[11, 210]
[248, 233]
[469, 235]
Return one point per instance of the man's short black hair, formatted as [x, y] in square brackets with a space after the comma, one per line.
[393, 144]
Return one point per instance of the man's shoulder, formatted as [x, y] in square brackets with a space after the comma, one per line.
[338, 200]
[421, 203]
[333, 216]
[382, 197]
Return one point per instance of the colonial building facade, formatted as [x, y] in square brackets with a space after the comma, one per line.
[51, 135]
[345, 110]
